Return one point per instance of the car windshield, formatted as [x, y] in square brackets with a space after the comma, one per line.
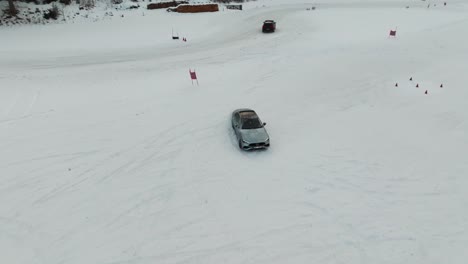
[251, 123]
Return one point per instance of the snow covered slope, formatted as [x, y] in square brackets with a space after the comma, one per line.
[110, 155]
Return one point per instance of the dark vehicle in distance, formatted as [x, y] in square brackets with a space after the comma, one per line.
[269, 26]
[250, 131]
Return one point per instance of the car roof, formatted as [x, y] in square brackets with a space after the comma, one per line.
[240, 110]
[269, 21]
[248, 115]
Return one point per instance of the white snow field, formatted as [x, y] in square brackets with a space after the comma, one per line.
[109, 154]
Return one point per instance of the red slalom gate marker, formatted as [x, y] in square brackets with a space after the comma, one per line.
[193, 75]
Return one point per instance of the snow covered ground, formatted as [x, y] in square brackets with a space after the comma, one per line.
[109, 155]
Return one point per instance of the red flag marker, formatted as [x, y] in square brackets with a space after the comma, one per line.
[411, 78]
[193, 75]
[396, 84]
[441, 86]
[425, 92]
[417, 85]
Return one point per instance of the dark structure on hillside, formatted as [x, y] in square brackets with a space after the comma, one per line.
[162, 5]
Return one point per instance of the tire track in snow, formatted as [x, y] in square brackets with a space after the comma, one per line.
[35, 98]
[11, 105]
[21, 104]
[23, 236]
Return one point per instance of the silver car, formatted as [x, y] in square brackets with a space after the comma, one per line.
[250, 131]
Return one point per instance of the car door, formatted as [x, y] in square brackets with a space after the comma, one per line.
[236, 123]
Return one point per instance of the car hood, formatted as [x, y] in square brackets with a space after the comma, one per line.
[254, 135]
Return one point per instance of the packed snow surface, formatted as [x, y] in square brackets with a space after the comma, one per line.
[110, 155]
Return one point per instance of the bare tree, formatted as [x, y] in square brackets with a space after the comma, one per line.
[12, 11]
[88, 4]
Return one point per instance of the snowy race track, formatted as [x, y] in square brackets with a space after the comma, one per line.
[109, 155]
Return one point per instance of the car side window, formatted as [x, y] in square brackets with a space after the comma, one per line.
[237, 119]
